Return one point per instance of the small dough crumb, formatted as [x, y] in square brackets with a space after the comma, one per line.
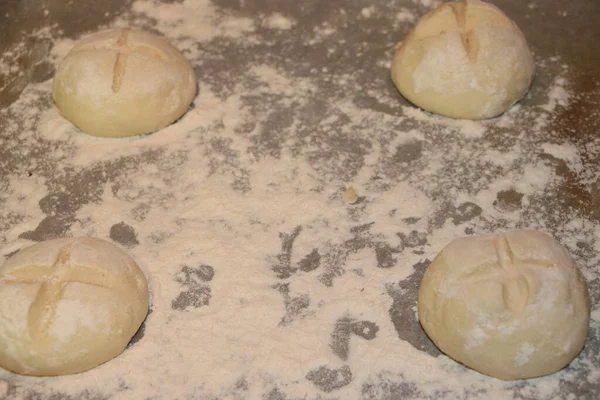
[350, 195]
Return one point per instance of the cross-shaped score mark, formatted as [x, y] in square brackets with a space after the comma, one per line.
[121, 61]
[467, 36]
[518, 284]
[53, 281]
[124, 48]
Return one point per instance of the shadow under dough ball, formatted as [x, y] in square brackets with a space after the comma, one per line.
[511, 305]
[123, 82]
[68, 305]
[464, 60]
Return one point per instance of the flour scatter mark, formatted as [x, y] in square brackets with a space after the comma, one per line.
[269, 142]
[83, 395]
[239, 391]
[224, 159]
[414, 239]
[242, 384]
[310, 262]
[51, 227]
[332, 257]
[347, 326]
[579, 372]
[384, 253]
[61, 204]
[142, 329]
[382, 387]
[402, 312]
[408, 152]
[123, 234]
[328, 379]
[140, 211]
[123, 386]
[444, 209]
[42, 72]
[295, 307]
[28, 60]
[73, 188]
[508, 200]
[411, 220]
[362, 238]
[275, 394]
[281, 264]
[340, 156]
[197, 293]
[465, 212]
[356, 211]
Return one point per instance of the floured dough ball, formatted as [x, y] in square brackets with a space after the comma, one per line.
[68, 305]
[512, 306]
[119, 83]
[464, 60]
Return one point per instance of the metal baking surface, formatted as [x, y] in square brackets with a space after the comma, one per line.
[553, 28]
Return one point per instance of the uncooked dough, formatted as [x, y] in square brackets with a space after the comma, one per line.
[512, 305]
[464, 60]
[68, 305]
[123, 82]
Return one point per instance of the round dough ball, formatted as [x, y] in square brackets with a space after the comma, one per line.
[119, 83]
[464, 60]
[68, 305]
[512, 306]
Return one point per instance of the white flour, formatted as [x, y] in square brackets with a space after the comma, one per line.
[248, 186]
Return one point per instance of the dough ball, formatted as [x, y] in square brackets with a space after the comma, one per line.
[119, 83]
[68, 305]
[512, 306]
[464, 60]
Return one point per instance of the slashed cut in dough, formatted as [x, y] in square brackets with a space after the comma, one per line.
[511, 305]
[68, 305]
[123, 82]
[464, 60]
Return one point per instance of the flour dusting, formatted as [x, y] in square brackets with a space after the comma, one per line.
[286, 220]
[525, 352]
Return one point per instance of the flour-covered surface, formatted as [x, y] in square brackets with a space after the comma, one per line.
[285, 222]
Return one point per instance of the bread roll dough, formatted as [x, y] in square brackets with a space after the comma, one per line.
[68, 305]
[512, 306]
[464, 60]
[122, 82]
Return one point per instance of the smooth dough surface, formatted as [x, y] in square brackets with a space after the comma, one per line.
[122, 82]
[512, 305]
[68, 305]
[464, 60]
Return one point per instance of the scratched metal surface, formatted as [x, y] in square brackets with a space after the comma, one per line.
[572, 36]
